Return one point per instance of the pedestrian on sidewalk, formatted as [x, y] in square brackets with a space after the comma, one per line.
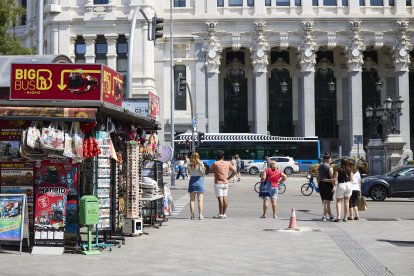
[326, 186]
[186, 163]
[180, 172]
[234, 164]
[344, 178]
[238, 167]
[356, 193]
[196, 184]
[221, 170]
[275, 176]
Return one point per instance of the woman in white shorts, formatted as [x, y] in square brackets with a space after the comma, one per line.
[344, 178]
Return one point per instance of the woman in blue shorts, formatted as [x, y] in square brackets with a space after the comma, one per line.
[196, 184]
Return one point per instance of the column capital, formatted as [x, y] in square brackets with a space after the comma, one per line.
[402, 47]
[89, 37]
[355, 48]
[260, 49]
[307, 48]
[212, 47]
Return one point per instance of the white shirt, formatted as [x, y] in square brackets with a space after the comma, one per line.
[357, 179]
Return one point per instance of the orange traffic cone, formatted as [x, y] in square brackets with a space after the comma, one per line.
[292, 223]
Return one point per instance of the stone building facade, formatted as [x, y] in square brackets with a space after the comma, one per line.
[284, 67]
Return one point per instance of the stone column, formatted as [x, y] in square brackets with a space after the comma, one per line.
[402, 48]
[355, 61]
[111, 55]
[90, 47]
[212, 48]
[260, 59]
[307, 56]
[200, 90]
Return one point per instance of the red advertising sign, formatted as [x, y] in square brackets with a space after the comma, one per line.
[154, 106]
[65, 82]
[50, 215]
[111, 86]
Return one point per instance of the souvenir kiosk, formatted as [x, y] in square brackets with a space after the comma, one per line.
[64, 134]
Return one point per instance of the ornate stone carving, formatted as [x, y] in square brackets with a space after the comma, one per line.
[236, 41]
[260, 49]
[307, 49]
[280, 64]
[331, 40]
[284, 40]
[212, 47]
[379, 40]
[402, 48]
[354, 49]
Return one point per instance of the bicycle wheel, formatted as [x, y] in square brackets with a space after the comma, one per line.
[257, 187]
[306, 189]
[282, 188]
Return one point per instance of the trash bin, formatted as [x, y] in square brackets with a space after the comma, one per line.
[89, 210]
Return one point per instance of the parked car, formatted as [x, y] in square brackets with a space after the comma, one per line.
[363, 166]
[285, 163]
[396, 183]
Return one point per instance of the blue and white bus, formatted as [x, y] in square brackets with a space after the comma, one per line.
[250, 147]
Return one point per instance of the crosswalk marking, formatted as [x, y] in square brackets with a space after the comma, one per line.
[179, 204]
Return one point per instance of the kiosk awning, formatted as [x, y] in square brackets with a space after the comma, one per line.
[70, 111]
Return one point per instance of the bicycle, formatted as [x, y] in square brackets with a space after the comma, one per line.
[281, 187]
[308, 188]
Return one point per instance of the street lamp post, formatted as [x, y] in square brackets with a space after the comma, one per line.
[393, 109]
[376, 116]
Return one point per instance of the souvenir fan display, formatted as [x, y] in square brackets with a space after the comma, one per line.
[165, 153]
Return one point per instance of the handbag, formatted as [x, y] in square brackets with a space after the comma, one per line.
[362, 204]
[53, 138]
[264, 189]
[32, 136]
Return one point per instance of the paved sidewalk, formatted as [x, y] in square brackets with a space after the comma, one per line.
[242, 244]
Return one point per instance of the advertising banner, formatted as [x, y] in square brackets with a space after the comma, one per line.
[58, 172]
[17, 178]
[12, 217]
[65, 82]
[112, 86]
[138, 106]
[154, 106]
[50, 215]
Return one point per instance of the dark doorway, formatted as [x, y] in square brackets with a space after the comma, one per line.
[235, 102]
[280, 103]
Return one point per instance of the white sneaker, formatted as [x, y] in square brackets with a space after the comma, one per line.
[323, 218]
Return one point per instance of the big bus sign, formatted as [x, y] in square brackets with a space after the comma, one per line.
[63, 82]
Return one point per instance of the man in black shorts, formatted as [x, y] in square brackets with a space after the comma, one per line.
[326, 186]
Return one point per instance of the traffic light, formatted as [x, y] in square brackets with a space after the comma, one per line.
[157, 27]
[182, 84]
[200, 136]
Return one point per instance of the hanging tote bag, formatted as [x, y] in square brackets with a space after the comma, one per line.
[32, 137]
[53, 138]
[264, 189]
[362, 204]
[68, 150]
[77, 142]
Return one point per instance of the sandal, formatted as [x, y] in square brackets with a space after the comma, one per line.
[356, 218]
[263, 217]
[350, 218]
[336, 220]
[345, 220]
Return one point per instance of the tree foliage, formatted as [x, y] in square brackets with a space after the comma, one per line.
[9, 44]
